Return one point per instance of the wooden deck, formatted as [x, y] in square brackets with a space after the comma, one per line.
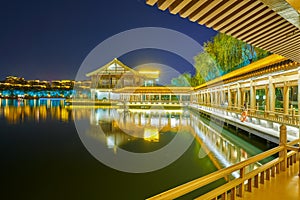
[283, 186]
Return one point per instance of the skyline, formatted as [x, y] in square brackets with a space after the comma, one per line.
[50, 40]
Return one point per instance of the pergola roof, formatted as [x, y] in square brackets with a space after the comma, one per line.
[273, 25]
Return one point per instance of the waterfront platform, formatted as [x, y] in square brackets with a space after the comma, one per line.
[250, 125]
[285, 185]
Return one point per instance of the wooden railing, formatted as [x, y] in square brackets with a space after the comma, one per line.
[245, 181]
[291, 118]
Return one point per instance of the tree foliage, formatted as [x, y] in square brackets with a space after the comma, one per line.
[221, 55]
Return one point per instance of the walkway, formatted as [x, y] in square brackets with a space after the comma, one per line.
[271, 134]
[285, 185]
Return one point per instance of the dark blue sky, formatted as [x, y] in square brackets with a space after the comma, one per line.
[50, 39]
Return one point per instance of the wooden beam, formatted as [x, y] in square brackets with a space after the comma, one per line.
[151, 2]
[217, 11]
[192, 8]
[251, 22]
[180, 6]
[164, 4]
[203, 11]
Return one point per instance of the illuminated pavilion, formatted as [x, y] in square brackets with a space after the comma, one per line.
[116, 74]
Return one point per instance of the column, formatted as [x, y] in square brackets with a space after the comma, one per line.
[236, 99]
[272, 97]
[299, 93]
[286, 98]
[222, 96]
[239, 96]
[252, 96]
[229, 98]
[267, 103]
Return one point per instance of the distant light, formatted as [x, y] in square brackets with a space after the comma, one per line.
[149, 72]
[264, 97]
[257, 97]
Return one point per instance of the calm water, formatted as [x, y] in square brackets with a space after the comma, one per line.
[44, 158]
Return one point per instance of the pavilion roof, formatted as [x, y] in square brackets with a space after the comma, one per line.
[115, 62]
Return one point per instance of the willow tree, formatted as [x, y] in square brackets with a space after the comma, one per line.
[206, 68]
[221, 55]
[230, 53]
[226, 51]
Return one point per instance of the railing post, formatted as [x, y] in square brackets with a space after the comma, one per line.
[241, 187]
[283, 141]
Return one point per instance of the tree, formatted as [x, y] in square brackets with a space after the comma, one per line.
[221, 55]
[182, 80]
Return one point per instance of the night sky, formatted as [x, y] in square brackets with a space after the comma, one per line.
[48, 40]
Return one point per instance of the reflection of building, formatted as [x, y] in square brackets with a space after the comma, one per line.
[15, 111]
[114, 75]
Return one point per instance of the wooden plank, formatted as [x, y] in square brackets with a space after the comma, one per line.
[164, 4]
[205, 10]
[217, 11]
[265, 31]
[236, 15]
[276, 32]
[251, 21]
[253, 28]
[151, 2]
[180, 6]
[237, 6]
[245, 16]
[192, 8]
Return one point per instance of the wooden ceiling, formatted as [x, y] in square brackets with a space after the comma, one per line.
[251, 21]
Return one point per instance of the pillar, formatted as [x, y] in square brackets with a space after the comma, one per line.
[229, 98]
[252, 96]
[298, 92]
[236, 99]
[286, 98]
[243, 96]
[272, 97]
[222, 98]
[267, 103]
[239, 96]
[282, 142]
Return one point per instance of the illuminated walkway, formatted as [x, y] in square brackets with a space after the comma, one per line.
[284, 186]
[261, 130]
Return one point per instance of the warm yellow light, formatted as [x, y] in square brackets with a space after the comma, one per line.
[149, 72]
[151, 134]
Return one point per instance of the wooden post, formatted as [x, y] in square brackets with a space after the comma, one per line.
[241, 186]
[283, 141]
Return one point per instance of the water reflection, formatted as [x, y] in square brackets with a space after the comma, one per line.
[19, 111]
[133, 130]
[122, 128]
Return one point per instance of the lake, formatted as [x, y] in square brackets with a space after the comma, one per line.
[44, 154]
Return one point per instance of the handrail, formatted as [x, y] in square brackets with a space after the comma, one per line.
[202, 181]
[290, 119]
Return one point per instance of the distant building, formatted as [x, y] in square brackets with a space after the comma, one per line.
[115, 75]
[62, 84]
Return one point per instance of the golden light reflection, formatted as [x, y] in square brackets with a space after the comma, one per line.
[16, 112]
[151, 134]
